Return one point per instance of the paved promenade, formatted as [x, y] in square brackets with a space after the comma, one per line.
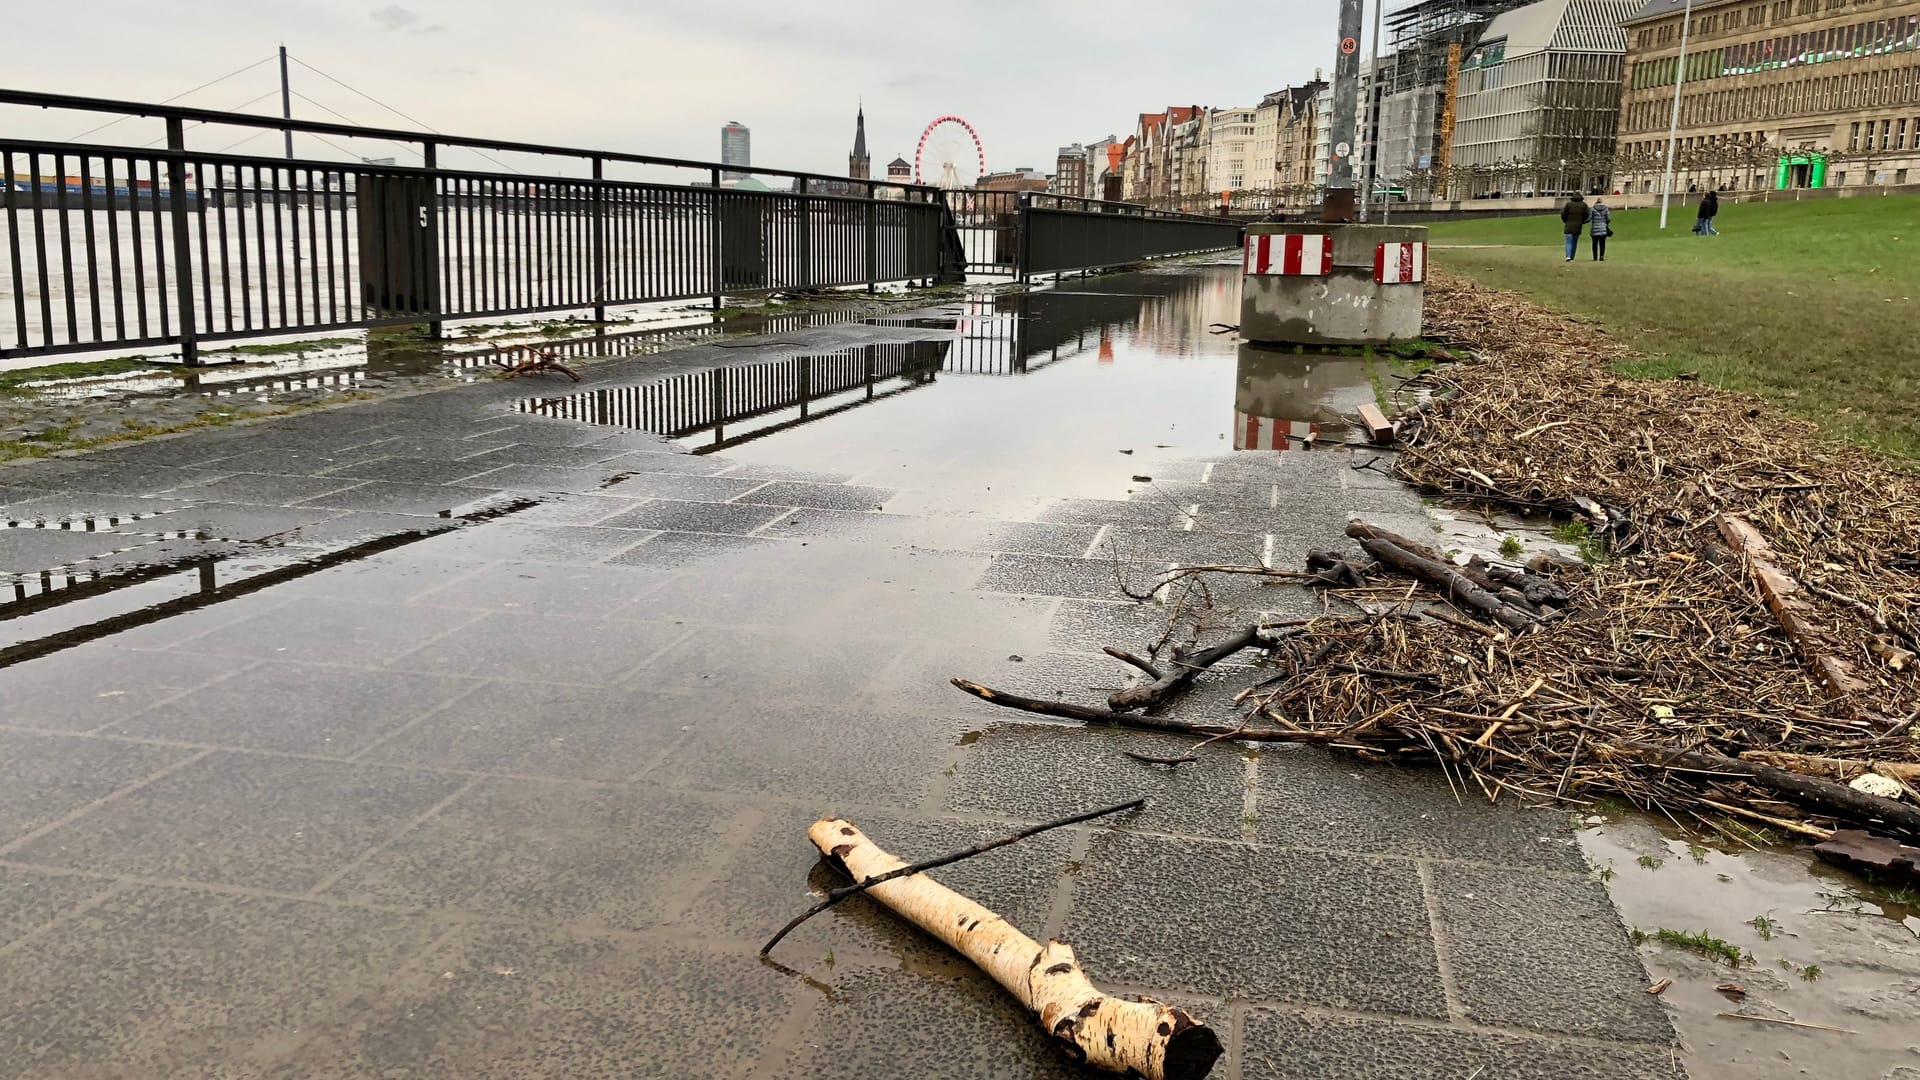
[434, 738]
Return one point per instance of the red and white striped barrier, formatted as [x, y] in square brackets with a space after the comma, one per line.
[1306, 255]
[1400, 264]
[1267, 433]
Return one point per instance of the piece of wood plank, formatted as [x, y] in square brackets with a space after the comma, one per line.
[1867, 853]
[1781, 593]
[1379, 428]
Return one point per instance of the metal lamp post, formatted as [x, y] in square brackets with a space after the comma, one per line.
[1673, 122]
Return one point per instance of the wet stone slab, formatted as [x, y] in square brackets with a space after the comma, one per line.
[1310, 798]
[504, 1002]
[48, 777]
[546, 852]
[1343, 931]
[32, 899]
[1542, 951]
[127, 988]
[1290, 1045]
[244, 819]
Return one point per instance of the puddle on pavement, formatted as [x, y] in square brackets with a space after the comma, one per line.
[1827, 948]
[47, 612]
[1043, 394]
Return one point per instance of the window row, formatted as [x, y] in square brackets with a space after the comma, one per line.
[1822, 94]
[1877, 37]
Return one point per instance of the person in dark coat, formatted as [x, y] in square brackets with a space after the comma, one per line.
[1573, 220]
[1600, 220]
[1709, 209]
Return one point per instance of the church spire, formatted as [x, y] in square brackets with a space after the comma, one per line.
[858, 162]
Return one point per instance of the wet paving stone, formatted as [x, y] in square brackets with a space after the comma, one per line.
[820, 496]
[297, 708]
[1541, 951]
[493, 1002]
[1309, 798]
[264, 488]
[47, 777]
[80, 689]
[1048, 575]
[244, 819]
[128, 989]
[667, 461]
[31, 899]
[540, 478]
[608, 734]
[384, 497]
[326, 630]
[706, 517]
[542, 648]
[516, 542]
[81, 508]
[547, 589]
[1291, 1045]
[412, 470]
[546, 851]
[1343, 931]
[566, 457]
[1087, 768]
[245, 521]
[757, 743]
[714, 553]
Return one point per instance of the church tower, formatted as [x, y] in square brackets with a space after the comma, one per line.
[858, 162]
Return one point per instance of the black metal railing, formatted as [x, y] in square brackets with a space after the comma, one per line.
[112, 247]
[1058, 233]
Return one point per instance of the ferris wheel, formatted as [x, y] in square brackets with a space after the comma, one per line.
[951, 149]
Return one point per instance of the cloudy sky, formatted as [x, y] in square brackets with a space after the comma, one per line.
[660, 78]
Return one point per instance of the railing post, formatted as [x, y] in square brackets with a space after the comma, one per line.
[713, 241]
[182, 248]
[599, 204]
[1024, 239]
[873, 241]
[430, 240]
[806, 235]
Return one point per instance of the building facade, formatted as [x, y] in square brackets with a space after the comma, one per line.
[1014, 180]
[1070, 172]
[1776, 94]
[1538, 101]
[736, 149]
[1229, 135]
[899, 171]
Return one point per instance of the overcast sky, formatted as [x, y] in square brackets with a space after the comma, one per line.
[660, 78]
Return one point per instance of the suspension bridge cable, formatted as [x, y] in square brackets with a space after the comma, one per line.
[404, 146]
[397, 112]
[178, 96]
[204, 123]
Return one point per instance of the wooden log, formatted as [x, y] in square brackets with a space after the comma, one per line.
[1442, 575]
[1090, 715]
[1843, 770]
[1781, 593]
[1379, 429]
[1185, 666]
[1140, 1037]
[1838, 800]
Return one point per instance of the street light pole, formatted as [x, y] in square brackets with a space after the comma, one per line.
[1673, 122]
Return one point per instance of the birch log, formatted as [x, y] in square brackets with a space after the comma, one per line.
[1139, 1038]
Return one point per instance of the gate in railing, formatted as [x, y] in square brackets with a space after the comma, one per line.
[112, 247]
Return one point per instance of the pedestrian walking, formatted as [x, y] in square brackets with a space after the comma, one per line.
[1573, 219]
[1600, 220]
[1709, 209]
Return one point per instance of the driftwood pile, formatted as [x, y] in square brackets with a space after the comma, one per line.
[1741, 651]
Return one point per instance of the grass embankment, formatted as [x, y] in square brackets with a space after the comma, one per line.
[1815, 305]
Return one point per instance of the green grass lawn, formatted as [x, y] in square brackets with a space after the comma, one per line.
[1815, 305]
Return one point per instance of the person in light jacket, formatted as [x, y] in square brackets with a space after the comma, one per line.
[1600, 221]
[1573, 218]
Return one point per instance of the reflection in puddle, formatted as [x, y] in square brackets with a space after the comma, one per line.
[58, 610]
[724, 406]
[1286, 399]
[1819, 947]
